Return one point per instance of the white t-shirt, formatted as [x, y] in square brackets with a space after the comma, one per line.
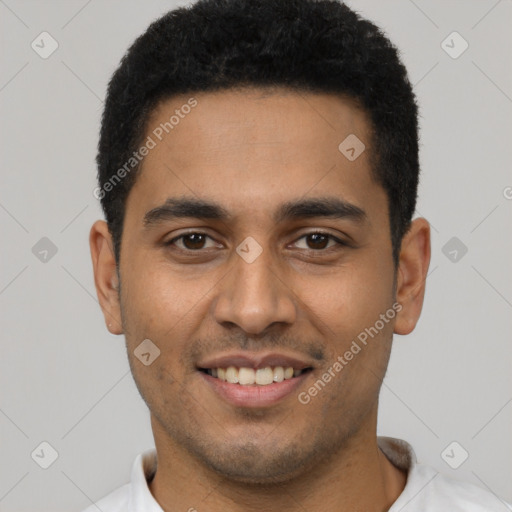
[426, 489]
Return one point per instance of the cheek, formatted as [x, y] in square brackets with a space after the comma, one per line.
[167, 309]
[161, 300]
[158, 384]
[345, 303]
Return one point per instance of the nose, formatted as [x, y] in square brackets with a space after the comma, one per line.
[253, 296]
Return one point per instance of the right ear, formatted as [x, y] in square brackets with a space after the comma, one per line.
[105, 275]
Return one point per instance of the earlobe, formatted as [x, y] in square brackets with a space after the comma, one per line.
[105, 275]
[412, 273]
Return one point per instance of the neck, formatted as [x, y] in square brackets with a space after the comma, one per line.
[357, 477]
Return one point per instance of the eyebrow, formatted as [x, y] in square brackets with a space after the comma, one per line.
[184, 207]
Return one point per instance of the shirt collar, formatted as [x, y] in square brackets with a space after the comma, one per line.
[143, 471]
[398, 452]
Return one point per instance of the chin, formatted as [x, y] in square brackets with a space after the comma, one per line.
[254, 464]
[265, 473]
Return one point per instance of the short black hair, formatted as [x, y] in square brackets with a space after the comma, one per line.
[318, 46]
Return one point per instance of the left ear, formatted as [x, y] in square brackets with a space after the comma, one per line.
[412, 273]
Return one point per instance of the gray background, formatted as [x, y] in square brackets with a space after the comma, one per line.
[65, 380]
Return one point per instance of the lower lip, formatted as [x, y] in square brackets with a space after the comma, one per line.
[254, 395]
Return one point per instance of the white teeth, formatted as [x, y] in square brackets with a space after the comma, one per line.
[232, 375]
[248, 376]
[264, 376]
[278, 374]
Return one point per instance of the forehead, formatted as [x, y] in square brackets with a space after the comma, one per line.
[224, 121]
[250, 148]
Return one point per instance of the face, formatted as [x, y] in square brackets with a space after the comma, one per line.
[251, 241]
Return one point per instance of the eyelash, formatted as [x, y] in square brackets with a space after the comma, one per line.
[323, 233]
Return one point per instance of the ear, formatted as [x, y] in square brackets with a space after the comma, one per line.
[105, 275]
[412, 274]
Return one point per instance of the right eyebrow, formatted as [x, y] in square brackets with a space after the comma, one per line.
[185, 208]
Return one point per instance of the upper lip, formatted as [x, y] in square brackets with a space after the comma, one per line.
[254, 360]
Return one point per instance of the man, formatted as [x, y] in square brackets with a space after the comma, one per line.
[258, 170]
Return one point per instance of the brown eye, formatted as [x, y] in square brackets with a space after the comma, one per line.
[319, 241]
[194, 241]
[191, 241]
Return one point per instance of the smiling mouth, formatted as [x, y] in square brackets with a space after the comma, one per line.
[245, 376]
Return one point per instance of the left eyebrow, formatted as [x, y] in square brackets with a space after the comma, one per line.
[184, 207]
[331, 207]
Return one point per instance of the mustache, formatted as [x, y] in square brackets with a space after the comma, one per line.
[240, 341]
